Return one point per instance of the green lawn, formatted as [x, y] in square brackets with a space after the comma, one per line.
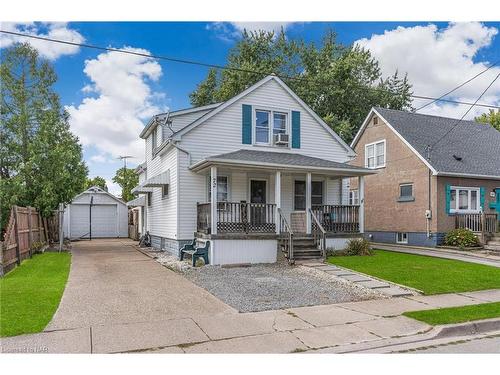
[30, 294]
[428, 274]
[459, 314]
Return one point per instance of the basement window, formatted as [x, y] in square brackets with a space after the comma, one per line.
[402, 237]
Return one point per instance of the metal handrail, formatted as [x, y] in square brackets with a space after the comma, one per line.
[286, 234]
[318, 232]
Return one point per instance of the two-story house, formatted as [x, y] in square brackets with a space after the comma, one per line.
[435, 174]
[258, 170]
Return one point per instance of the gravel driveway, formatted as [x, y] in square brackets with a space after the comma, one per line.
[275, 286]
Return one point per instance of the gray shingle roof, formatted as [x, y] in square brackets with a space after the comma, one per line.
[282, 158]
[477, 144]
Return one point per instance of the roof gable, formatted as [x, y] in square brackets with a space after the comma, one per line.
[467, 149]
[98, 190]
[252, 88]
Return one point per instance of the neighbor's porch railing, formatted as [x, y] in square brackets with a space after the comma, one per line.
[483, 223]
[238, 217]
[338, 218]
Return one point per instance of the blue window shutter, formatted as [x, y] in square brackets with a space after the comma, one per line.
[295, 129]
[448, 197]
[246, 124]
[481, 198]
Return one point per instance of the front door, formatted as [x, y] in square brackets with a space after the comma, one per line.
[258, 190]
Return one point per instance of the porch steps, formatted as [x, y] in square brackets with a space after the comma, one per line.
[494, 243]
[304, 249]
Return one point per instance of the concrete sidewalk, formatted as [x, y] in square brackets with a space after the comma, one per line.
[327, 328]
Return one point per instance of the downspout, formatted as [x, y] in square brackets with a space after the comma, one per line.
[429, 190]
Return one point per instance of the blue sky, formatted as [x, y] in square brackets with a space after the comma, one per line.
[436, 56]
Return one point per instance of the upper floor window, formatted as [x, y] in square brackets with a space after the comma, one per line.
[268, 127]
[464, 199]
[375, 154]
[154, 140]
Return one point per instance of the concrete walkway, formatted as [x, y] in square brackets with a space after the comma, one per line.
[486, 259]
[119, 300]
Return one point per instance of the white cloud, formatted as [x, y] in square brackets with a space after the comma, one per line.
[112, 118]
[229, 31]
[53, 30]
[438, 60]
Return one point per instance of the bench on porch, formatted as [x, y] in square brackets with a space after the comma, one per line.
[196, 252]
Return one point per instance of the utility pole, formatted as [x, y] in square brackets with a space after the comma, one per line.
[124, 158]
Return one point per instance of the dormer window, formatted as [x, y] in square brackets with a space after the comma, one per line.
[271, 127]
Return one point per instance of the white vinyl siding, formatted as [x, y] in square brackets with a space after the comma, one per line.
[222, 132]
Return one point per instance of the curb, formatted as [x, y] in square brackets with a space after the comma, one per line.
[469, 328]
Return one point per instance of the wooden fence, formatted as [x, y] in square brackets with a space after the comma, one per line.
[26, 231]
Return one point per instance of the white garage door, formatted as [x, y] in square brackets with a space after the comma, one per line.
[104, 221]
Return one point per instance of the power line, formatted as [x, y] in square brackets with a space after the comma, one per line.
[459, 86]
[466, 112]
[221, 67]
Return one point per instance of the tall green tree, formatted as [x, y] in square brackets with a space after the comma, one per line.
[492, 118]
[41, 161]
[96, 181]
[340, 83]
[127, 179]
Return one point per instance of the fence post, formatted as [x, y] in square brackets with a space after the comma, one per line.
[483, 229]
[16, 234]
[61, 213]
[30, 233]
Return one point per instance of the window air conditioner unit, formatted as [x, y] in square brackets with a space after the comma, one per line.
[281, 139]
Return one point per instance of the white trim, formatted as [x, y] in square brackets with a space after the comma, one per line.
[375, 156]
[403, 241]
[271, 111]
[148, 128]
[350, 151]
[261, 165]
[469, 189]
[479, 176]
[365, 123]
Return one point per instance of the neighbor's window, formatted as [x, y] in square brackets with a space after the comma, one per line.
[222, 189]
[354, 197]
[406, 193]
[164, 191]
[149, 197]
[402, 237]
[375, 154]
[261, 127]
[464, 199]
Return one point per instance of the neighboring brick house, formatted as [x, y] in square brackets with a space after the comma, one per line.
[430, 169]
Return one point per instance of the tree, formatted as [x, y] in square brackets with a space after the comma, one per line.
[96, 181]
[339, 83]
[492, 118]
[127, 179]
[41, 161]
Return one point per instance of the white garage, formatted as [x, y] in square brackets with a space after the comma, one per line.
[95, 213]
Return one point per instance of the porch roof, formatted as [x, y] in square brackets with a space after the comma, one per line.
[280, 160]
[137, 202]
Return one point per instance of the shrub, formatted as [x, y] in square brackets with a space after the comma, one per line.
[461, 238]
[358, 246]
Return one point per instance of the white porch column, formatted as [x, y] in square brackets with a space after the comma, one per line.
[277, 198]
[213, 199]
[361, 192]
[308, 201]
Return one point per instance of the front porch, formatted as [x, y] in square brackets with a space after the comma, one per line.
[268, 201]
